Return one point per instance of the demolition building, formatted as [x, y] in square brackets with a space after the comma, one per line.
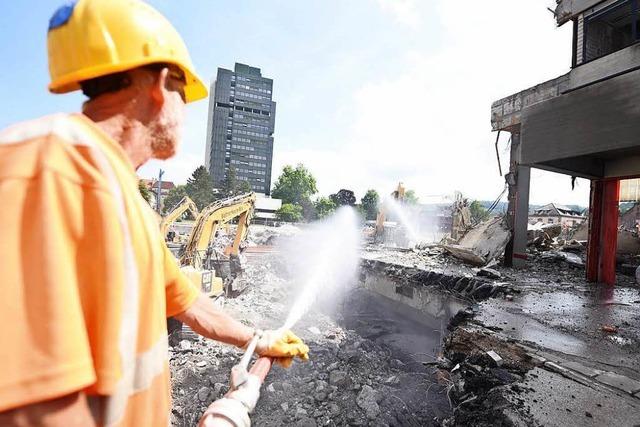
[240, 127]
[582, 124]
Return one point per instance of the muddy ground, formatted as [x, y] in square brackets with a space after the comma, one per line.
[356, 375]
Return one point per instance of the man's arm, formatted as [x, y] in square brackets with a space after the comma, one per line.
[211, 322]
[71, 410]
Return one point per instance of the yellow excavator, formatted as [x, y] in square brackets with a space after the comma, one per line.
[398, 195]
[197, 259]
[184, 205]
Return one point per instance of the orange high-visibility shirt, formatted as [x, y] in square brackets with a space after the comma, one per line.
[87, 280]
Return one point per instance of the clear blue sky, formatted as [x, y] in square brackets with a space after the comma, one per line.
[369, 92]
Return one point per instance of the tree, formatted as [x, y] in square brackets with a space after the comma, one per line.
[324, 207]
[232, 186]
[295, 186]
[478, 212]
[144, 191]
[369, 204]
[173, 197]
[200, 187]
[243, 188]
[410, 197]
[289, 212]
[230, 182]
[343, 198]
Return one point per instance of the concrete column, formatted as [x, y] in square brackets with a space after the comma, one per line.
[603, 231]
[518, 211]
[595, 223]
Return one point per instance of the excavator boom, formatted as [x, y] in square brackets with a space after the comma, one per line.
[208, 222]
[184, 205]
[398, 194]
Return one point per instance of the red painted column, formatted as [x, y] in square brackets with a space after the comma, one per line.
[609, 232]
[595, 215]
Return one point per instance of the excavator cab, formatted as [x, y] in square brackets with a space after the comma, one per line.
[200, 260]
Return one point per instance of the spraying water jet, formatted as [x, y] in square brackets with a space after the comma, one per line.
[324, 258]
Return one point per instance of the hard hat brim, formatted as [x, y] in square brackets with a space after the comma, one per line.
[194, 88]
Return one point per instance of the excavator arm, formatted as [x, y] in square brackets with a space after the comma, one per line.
[186, 204]
[208, 222]
[398, 194]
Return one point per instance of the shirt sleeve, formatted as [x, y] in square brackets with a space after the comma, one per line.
[180, 292]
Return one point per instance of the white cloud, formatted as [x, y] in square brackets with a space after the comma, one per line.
[403, 11]
[429, 124]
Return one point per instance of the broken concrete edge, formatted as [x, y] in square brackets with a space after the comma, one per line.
[476, 385]
[483, 243]
[465, 254]
[468, 288]
[569, 369]
[585, 375]
[619, 382]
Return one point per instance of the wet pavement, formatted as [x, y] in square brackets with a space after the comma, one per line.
[554, 400]
[572, 321]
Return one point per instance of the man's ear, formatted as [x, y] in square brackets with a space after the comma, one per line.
[157, 89]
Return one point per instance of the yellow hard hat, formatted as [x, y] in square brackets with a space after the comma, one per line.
[94, 38]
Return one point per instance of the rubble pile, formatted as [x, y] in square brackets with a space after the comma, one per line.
[483, 243]
[260, 235]
[350, 380]
[484, 372]
[467, 286]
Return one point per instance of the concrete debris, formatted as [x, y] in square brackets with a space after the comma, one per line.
[483, 243]
[368, 401]
[489, 366]
[260, 236]
[351, 379]
[495, 357]
[568, 257]
[490, 273]
[314, 330]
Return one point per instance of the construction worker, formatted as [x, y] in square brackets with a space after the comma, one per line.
[87, 280]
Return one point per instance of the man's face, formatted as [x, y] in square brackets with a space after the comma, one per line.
[167, 128]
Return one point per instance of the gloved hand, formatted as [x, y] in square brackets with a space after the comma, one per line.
[283, 346]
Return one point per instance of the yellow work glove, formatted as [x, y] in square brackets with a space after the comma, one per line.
[283, 346]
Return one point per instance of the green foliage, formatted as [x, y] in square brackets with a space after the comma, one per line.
[230, 182]
[289, 213]
[144, 192]
[232, 186]
[243, 188]
[295, 186]
[343, 198]
[174, 196]
[324, 207]
[200, 187]
[369, 204]
[410, 197]
[478, 212]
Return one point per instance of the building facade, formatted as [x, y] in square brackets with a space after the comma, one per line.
[557, 214]
[240, 127]
[582, 124]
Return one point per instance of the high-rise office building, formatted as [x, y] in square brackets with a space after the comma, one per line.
[240, 127]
